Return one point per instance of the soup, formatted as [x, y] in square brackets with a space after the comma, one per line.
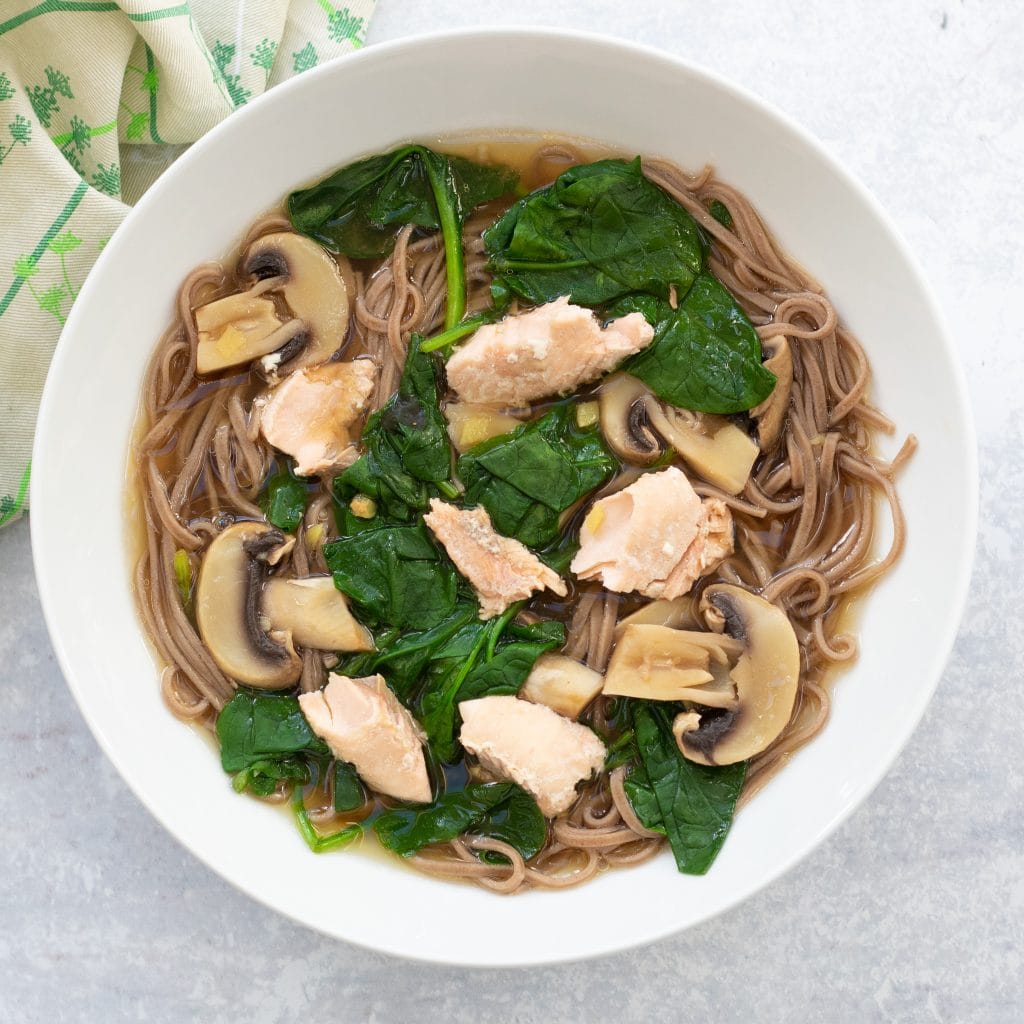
[507, 504]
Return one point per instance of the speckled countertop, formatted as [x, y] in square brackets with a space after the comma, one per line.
[912, 911]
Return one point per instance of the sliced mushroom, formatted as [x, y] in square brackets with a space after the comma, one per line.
[315, 613]
[470, 424]
[313, 288]
[765, 676]
[677, 613]
[638, 428]
[237, 329]
[228, 609]
[661, 663]
[625, 423]
[771, 413]
[563, 684]
[715, 447]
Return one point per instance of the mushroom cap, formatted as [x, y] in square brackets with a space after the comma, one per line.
[313, 287]
[228, 597]
[625, 423]
[638, 428]
[766, 677]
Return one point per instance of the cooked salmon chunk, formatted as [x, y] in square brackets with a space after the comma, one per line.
[310, 416]
[549, 350]
[362, 721]
[548, 755]
[501, 570]
[655, 536]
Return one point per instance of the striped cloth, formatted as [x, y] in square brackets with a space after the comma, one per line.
[96, 99]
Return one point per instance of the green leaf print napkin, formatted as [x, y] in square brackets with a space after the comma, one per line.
[96, 99]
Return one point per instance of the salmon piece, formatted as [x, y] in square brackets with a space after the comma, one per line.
[714, 541]
[546, 754]
[655, 536]
[362, 721]
[311, 414]
[501, 570]
[548, 351]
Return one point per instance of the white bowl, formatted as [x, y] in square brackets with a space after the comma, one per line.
[639, 100]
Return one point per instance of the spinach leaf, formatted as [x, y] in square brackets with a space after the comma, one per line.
[262, 777]
[527, 478]
[438, 712]
[517, 821]
[487, 809]
[641, 795]
[265, 738]
[395, 575]
[720, 212]
[599, 231]
[284, 499]
[696, 803]
[558, 555]
[705, 356]
[481, 660]
[402, 657]
[407, 449]
[513, 659]
[348, 789]
[359, 209]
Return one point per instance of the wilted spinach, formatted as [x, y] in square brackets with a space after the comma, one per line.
[408, 454]
[527, 478]
[283, 499]
[483, 659]
[505, 671]
[642, 797]
[502, 810]
[265, 738]
[517, 821]
[599, 231]
[348, 790]
[695, 803]
[318, 843]
[395, 575]
[720, 212]
[462, 329]
[359, 209]
[402, 656]
[705, 356]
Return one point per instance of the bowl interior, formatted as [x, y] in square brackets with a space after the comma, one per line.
[634, 99]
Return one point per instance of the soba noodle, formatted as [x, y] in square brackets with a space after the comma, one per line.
[804, 523]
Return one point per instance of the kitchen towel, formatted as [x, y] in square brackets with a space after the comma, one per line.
[96, 100]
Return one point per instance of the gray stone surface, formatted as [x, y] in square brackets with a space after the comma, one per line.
[912, 911]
